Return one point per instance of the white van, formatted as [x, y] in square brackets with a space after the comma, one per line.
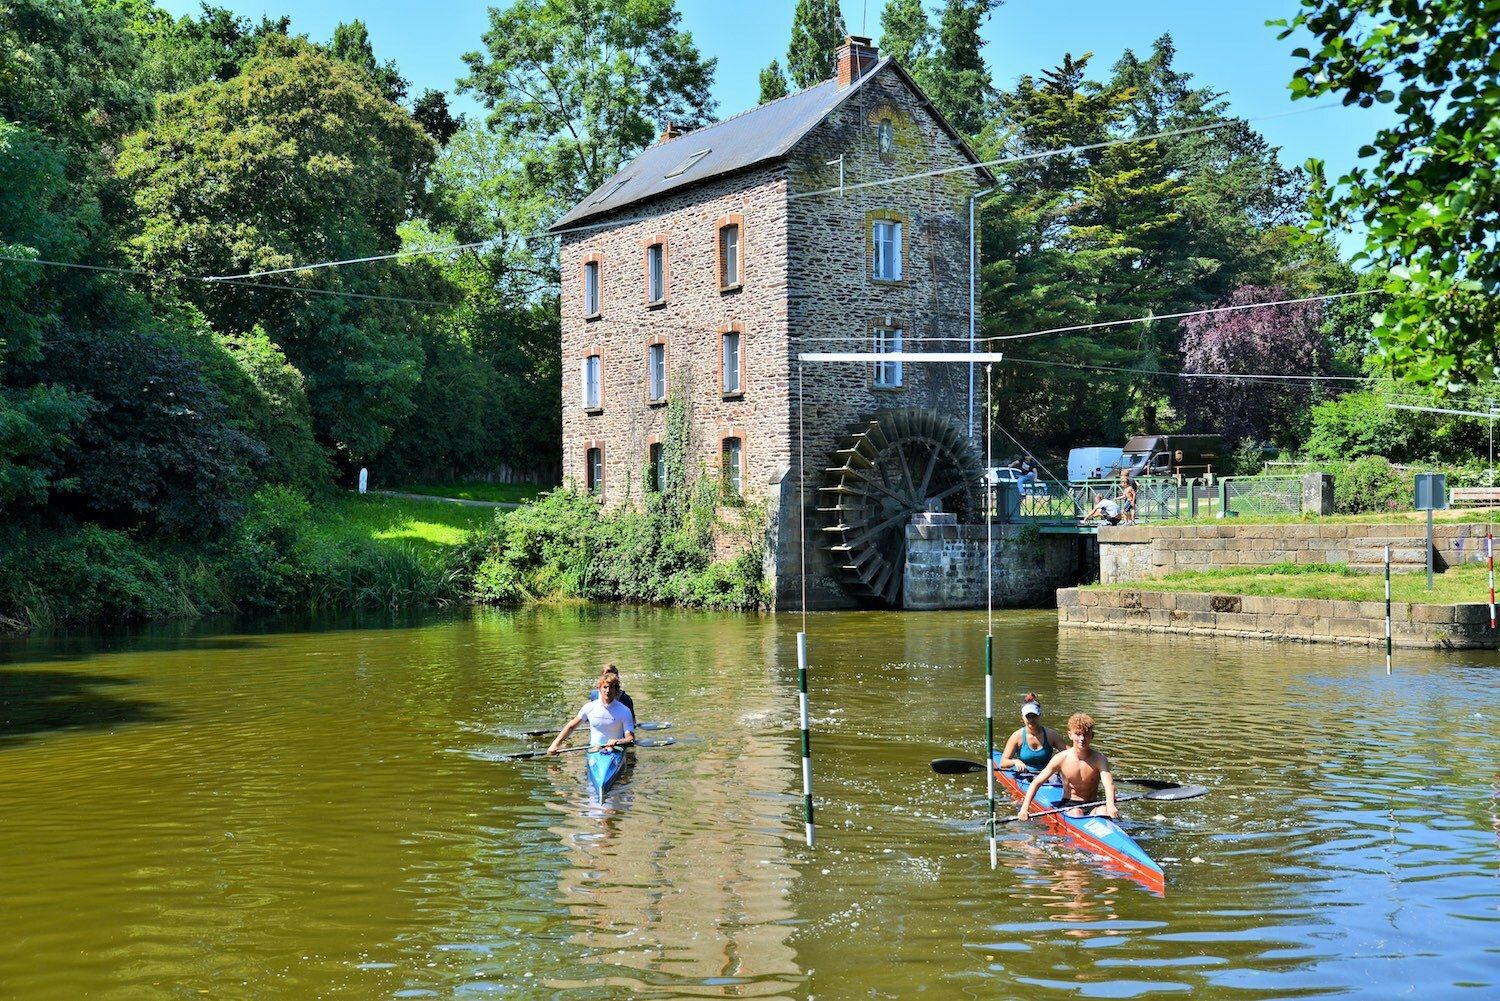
[1083, 461]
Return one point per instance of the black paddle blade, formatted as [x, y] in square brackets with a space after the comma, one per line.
[1177, 792]
[539, 733]
[648, 742]
[956, 766]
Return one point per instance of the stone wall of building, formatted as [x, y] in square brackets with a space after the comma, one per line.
[690, 322]
[945, 566]
[1303, 619]
[834, 303]
[1141, 552]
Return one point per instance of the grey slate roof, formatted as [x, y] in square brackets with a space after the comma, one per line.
[756, 136]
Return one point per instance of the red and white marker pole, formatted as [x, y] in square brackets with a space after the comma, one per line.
[1489, 551]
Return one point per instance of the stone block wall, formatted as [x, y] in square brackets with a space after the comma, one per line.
[1250, 617]
[690, 322]
[1142, 552]
[945, 566]
[834, 303]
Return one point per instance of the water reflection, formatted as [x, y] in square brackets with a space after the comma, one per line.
[302, 811]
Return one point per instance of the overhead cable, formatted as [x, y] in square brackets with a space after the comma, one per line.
[1247, 377]
[225, 281]
[353, 260]
[1064, 151]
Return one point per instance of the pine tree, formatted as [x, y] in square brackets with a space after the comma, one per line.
[959, 84]
[772, 83]
[817, 31]
[906, 34]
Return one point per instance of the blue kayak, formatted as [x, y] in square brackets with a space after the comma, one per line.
[604, 767]
[1099, 836]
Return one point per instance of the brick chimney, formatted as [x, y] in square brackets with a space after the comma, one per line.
[856, 56]
[668, 133]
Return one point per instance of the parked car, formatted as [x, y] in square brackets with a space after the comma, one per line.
[1000, 475]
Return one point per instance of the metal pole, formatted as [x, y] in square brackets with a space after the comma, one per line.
[989, 637]
[1489, 552]
[1429, 549]
[807, 802]
[1387, 609]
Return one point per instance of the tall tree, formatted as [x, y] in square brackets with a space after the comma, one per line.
[1276, 340]
[958, 81]
[351, 43]
[298, 159]
[1426, 193]
[772, 83]
[817, 32]
[578, 87]
[178, 53]
[906, 35]
[431, 112]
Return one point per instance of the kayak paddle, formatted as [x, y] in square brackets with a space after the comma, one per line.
[963, 766]
[638, 726]
[524, 755]
[1171, 793]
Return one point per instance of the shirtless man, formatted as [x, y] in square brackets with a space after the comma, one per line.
[1083, 770]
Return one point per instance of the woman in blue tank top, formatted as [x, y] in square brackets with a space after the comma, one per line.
[1031, 747]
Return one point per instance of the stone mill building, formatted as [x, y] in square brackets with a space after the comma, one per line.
[704, 268]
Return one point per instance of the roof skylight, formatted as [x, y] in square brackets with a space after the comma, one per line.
[687, 164]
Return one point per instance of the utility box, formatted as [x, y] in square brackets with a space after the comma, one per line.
[1432, 492]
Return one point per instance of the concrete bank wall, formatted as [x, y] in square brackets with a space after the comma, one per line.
[1141, 552]
[945, 566]
[1305, 619]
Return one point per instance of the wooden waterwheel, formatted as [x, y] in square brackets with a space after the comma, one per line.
[884, 472]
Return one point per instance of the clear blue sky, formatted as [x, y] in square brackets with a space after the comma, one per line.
[1223, 43]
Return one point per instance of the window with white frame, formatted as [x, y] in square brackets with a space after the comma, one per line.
[656, 273]
[656, 372]
[593, 383]
[729, 255]
[733, 454]
[591, 288]
[887, 340]
[730, 358]
[886, 237]
[593, 461]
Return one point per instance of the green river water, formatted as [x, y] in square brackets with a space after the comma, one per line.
[297, 812]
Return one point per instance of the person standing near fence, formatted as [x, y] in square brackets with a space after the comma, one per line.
[1127, 496]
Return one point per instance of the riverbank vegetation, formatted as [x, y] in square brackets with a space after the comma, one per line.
[1468, 584]
[238, 264]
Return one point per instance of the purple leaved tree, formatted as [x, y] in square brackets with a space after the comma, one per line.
[1274, 340]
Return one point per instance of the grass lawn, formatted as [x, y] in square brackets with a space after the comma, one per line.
[429, 527]
[1463, 585]
[505, 493]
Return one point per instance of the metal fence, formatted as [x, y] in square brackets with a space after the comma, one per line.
[1156, 498]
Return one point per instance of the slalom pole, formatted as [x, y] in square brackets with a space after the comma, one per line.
[807, 802]
[989, 611]
[1489, 551]
[1387, 609]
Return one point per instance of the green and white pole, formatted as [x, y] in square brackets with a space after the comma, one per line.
[807, 803]
[989, 636]
[1387, 609]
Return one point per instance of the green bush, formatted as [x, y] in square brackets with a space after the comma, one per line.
[91, 576]
[1368, 485]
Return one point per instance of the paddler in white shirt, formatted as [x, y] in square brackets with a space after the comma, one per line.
[1083, 771]
[611, 725]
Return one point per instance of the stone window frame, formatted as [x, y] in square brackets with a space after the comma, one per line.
[653, 482]
[583, 374]
[656, 340]
[659, 240]
[725, 221]
[735, 327]
[904, 221]
[888, 322]
[589, 446]
[733, 433]
[596, 260]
